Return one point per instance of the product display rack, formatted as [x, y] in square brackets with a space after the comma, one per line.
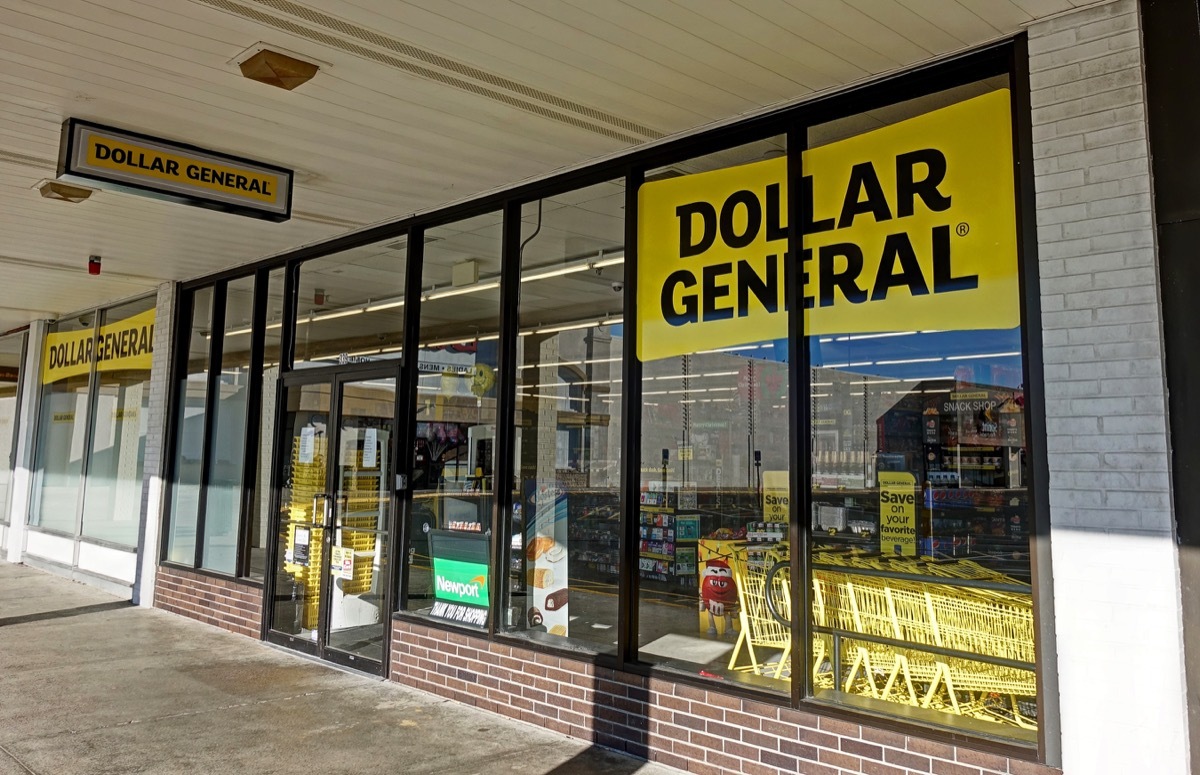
[594, 534]
[665, 552]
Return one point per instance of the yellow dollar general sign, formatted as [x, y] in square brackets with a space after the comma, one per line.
[122, 345]
[107, 157]
[912, 226]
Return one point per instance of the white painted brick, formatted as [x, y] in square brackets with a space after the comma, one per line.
[1116, 170]
[1133, 313]
[1131, 203]
[1058, 180]
[1124, 241]
[1098, 138]
[1046, 79]
[1082, 122]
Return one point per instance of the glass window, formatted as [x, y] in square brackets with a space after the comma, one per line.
[12, 348]
[452, 477]
[62, 425]
[921, 510]
[715, 432]
[565, 531]
[227, 434]
[351, 305]
[112, 498]
[190, 421]
[260, 508]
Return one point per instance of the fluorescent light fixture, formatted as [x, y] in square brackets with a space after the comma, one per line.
[856, 337]
[341, 313]
[557, 271]
[543, 273]
[383, 305]
[728, 349]
[909, 360]
[569, 327]
[462, 340]
[484, 286]
[982, 355]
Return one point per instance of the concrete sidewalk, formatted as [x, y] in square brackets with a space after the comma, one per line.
[91, 685]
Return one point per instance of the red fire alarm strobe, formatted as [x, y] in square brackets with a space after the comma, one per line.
[93, 264]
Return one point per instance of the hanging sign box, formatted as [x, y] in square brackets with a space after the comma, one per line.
[105, 157]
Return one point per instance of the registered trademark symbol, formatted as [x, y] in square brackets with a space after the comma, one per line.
[962, 229]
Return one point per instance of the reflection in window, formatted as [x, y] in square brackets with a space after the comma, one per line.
[11, 350]
[260, 507]
[227, 434]
[566, 505]
[715, 451]
[190, 422]
[453, 469]
[921, 516]
[351, 305]
[112, 499]
[62, 426]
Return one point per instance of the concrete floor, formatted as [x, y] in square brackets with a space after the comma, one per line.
[91, 685]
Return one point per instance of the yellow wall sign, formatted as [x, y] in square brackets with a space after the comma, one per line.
[911, 226]
[897, 513]
[776, 496]
[122, 345]
[116, 158]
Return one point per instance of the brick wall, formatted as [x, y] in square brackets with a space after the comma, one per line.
[1115, 564]
[694, 729]
[223, 603]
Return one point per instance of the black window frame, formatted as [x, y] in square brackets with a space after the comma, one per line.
[1006, 58]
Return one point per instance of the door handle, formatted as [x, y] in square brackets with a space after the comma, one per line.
[316, 497]
[344, 502]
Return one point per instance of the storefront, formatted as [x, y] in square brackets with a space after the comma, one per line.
[749, 450]
[630, 421]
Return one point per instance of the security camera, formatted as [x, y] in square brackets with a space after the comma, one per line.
[618, 286]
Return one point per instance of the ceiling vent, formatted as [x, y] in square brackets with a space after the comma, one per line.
[275, 68]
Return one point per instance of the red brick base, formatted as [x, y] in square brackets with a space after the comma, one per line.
[223, 603]
[681, 725]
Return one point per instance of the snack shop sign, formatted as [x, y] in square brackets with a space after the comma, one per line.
[912, 226]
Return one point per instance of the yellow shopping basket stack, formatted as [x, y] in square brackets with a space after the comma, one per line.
[759, 629]
[308, 481]
[903, 616]
[362, 493]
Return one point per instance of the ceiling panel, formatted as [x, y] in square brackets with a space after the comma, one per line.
[417, 104]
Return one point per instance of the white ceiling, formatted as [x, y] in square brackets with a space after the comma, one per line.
[416, 105]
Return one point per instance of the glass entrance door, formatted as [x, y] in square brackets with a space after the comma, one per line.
[332, 572]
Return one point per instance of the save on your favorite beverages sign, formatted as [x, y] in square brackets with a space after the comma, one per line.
[911, 226]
